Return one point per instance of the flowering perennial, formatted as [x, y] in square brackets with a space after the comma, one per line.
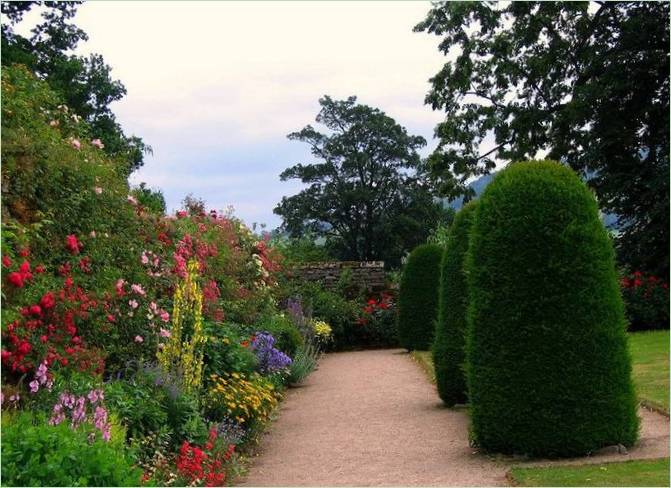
[184, 350]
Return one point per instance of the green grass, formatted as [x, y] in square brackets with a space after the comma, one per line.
[629, 473]
[650, 362]
[424, 359]
[650, 358]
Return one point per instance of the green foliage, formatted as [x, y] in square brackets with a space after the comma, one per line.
[149, 199]
[304, 362]
[37, 454]
[301, 249]
[586, 81]
[333, 308]
[288, 338]
[548, 369]
[366, 196]
[51, 187]
[223, 352]
[448, 345]
[83, 83]
[418, 297]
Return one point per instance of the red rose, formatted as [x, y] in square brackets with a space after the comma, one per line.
[24, 252]
[44, 339]
[72, 244]
[15, 279]
[36, 310]
[39, 269]
[6, 262]
[48, 301]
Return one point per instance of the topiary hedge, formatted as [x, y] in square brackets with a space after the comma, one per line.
[418, 297]
[448, 345]
[548, 369]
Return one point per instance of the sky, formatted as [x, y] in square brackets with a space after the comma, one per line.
[215, 87]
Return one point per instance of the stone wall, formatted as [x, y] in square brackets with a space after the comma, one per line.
[367, 275]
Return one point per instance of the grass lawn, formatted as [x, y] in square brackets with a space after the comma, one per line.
[650, 361]
[630, 473]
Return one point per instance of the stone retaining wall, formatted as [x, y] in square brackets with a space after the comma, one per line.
[364, 274]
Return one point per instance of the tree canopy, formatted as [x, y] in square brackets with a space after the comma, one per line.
[84, 83]
[366, 195]
[585, 83]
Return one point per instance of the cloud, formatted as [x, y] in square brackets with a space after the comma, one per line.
[214, 87]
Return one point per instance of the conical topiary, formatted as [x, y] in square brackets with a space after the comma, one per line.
[448, 343]
[548, 369]
[418, 297]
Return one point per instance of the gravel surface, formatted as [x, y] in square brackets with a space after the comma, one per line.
[371, 418]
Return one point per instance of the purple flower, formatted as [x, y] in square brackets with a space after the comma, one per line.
[34, 386]
[270, 359]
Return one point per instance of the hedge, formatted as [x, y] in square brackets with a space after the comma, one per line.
[548, 369]
[448, 346]
[418, 297]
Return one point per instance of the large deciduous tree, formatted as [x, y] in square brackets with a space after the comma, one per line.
[586, 83]
[85, 83]
[365, 195]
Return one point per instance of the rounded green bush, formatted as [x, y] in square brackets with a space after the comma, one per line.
[548, 368]
[418, 297]
[448, 344]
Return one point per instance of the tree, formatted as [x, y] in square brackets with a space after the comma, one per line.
[366, 196]
[84, 83]
[585, 82]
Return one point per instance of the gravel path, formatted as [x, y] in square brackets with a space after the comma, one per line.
[371, 418]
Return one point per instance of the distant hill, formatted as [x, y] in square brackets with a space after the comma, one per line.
[479, 185]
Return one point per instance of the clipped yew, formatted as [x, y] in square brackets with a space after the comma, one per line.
[548, 369]
[448, 343]
[418, 297]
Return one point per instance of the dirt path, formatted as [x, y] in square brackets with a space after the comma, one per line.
[371, 418]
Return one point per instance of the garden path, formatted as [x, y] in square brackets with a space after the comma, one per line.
[371, 418]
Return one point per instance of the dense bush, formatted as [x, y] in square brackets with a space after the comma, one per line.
[448, 345]
[37, 454]
[288, 338]
[378, 324]
[548, 369]
[646, 299]
[332, 307]
[418, 297]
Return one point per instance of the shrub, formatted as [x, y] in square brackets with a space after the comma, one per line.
[303, 364]
[247, 399]
[418, 297]
[548, 369]
[37, 454]
[378, 325]
[334, 309]
[288, 338]
[448, 346]
[646, 299]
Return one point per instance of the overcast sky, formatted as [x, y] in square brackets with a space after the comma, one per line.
[215, 87]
